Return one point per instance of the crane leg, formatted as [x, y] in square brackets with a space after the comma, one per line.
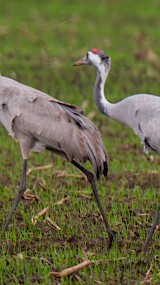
[91, 179]
[21, 190]
[152, 229]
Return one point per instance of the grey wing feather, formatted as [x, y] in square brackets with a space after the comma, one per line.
[39, 121]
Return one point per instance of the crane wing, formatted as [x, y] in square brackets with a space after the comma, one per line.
[39, 121]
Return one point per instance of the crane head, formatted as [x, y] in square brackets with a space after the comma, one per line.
[94, 57]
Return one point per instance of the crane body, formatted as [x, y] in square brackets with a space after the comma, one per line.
[143, 120]
[40, 122]
[140, 112]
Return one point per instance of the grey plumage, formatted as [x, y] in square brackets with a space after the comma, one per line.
[40, 122]
[140, 112]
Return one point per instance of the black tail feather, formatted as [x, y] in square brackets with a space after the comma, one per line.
[105, 169]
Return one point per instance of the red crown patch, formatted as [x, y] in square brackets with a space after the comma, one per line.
[95, 50]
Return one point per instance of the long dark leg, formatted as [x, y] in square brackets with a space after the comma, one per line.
[91, 179]
[21, 190]
[155, 223]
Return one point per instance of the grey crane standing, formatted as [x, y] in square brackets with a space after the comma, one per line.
[141, 112]
[40, 122]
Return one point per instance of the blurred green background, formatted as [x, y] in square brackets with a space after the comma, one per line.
[47, 36]
[39, 42]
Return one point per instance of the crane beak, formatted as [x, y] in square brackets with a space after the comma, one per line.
[82, 61]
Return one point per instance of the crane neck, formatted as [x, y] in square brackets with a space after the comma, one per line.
[99, 97]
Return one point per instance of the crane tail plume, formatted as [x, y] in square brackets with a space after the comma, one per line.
[105, 169]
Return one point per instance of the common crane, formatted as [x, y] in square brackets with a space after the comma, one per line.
[39, 122]
[141, 112]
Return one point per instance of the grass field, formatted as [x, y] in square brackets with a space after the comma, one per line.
[39, 42]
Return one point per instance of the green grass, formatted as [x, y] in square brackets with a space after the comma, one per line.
[39, 42]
